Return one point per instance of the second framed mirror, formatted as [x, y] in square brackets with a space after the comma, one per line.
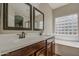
[38, 19]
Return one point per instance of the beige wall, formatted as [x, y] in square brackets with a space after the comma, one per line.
[62, 11]
[67, 10]
[0, 17]
[48, 28]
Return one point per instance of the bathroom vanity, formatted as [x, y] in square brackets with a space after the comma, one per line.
[28, 50]
[42, 45]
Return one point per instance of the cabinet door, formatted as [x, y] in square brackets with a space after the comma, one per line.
[49, 50]
[41, 52]
[28, 51]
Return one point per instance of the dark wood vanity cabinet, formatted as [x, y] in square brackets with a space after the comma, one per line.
[28, 50]
[37, 49]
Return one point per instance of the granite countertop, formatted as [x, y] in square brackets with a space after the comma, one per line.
[20, 43]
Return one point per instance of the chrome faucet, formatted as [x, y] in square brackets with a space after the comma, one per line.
[22, 35]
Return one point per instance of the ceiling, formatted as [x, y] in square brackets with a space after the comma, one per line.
[57, 5]
[52, 5]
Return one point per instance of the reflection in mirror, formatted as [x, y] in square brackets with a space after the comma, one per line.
[38, 19]
[19, 15]
[18, 21]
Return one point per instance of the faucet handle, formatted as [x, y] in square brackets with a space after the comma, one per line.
[19, 35]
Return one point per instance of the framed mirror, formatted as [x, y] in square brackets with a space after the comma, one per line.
[38, 19]
[17, 16]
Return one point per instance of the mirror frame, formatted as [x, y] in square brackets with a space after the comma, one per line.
[34, 19]
[5, 18]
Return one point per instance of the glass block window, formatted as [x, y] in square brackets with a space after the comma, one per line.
[67, 25]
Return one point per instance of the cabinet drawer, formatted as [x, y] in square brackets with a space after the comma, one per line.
[14, 53]
[26, 51]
